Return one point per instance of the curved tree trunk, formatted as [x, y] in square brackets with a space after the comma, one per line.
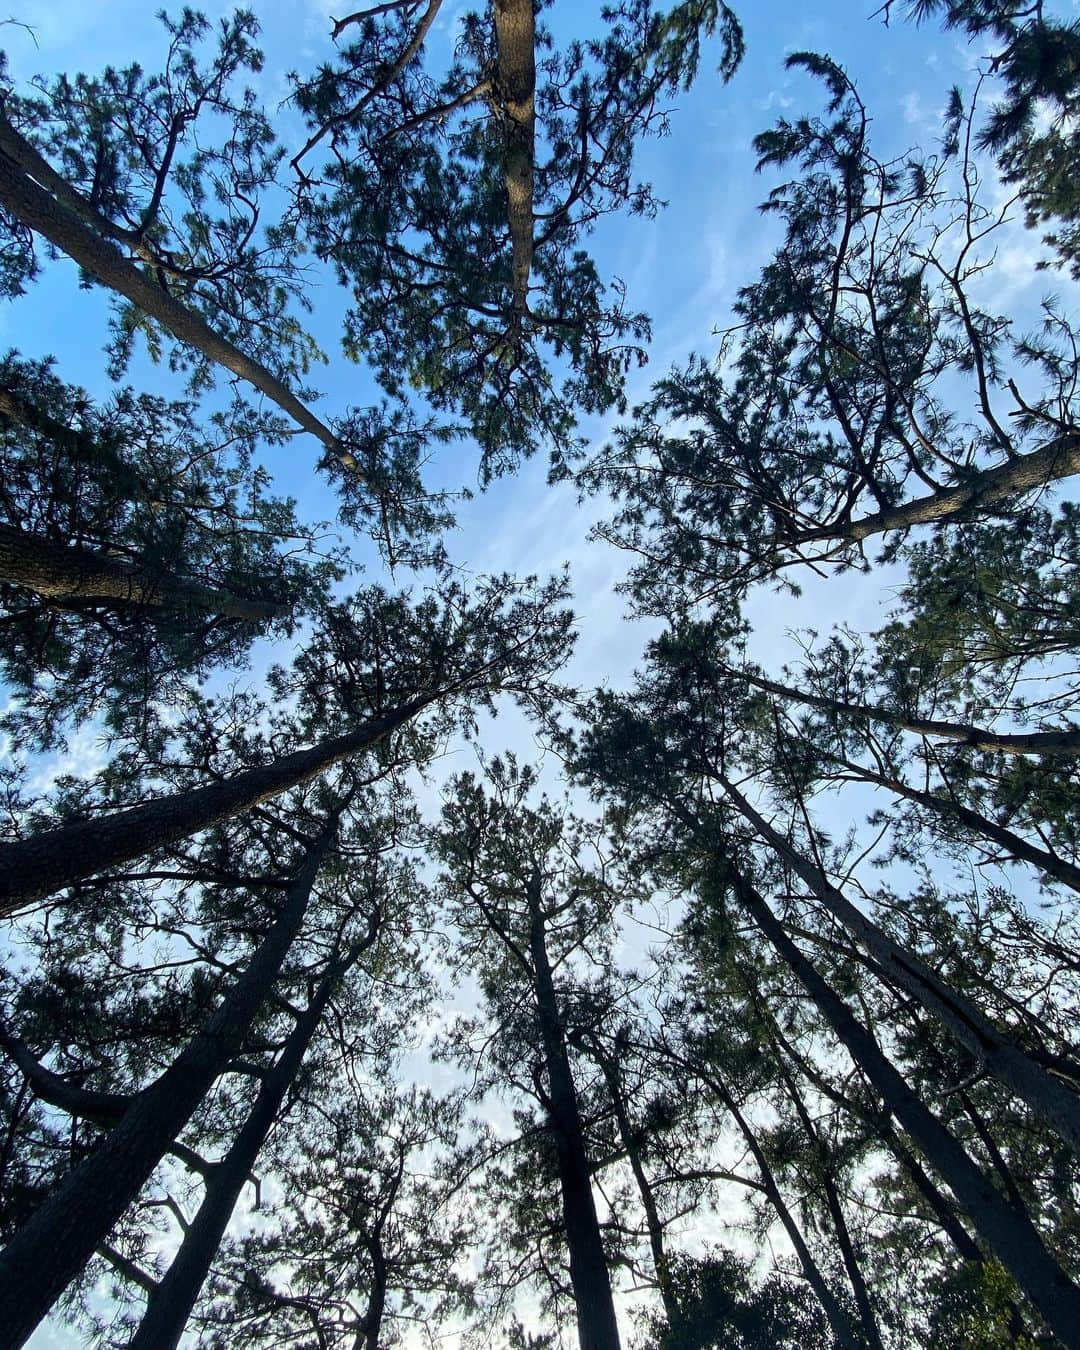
[1043, 1092]
[598, 1328]
[515, 34]
[61, 572]
[50, 217]
[1021, 743]
[50, 1249]
[1059, 459]
[1007, 1231]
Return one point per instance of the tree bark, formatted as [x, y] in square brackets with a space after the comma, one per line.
[1022, 743]
[44, 863]
[1059, 459]
[55, 1244]
[999, 1056]
[44, 213]
[1007, 1231]
[169, 1305]
[515, 34]
[598, 1328]
[62, 572]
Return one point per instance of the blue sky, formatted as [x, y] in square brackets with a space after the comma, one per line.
[683, 268]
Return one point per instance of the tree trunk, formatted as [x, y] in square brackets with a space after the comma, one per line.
[56, 222]
[884, 1133]
[169, 1305]
[871, 1335]
[1024, 743]
[598, 1328]
[1007, 1231]
[1058, 868]
[653, 1223]
[999, 1056]
[56, 1243]
[839, 1322]
[62, 572]
[515, 34]
[1059, 459]
[47, 862]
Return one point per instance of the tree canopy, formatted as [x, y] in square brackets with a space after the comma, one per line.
[378, 972]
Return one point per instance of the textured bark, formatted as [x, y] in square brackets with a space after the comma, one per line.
[48, 216]
[1007, 1231]
[1020, 743]
[44, 863]
[56, 1243]
[1025, 473]
[60, 572]
[515, 34]
[999, 1056]
[169, 1305]
[598, 1328]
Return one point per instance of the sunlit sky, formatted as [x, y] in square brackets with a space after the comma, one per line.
[683, 268]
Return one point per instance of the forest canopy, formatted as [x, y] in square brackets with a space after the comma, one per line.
[540, 722]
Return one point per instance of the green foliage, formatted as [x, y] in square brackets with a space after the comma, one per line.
[723, 1305]
[173, 168]
[139, 480]
[411, 211]
[1033, 128]
[862, 375]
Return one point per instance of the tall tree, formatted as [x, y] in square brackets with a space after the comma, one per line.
[834, 415]
[458, 191]
[383, 663]
[57, 1241]
[139, 550]
[526, 904]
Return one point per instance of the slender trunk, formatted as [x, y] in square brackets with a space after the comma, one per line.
[367, 1336]
[1007, 1231]
[169, 1305]
[1024, 743]
[515, 35]
[47, 862]
[61, 571]
[653, 1223]
[871, 1335]
[1059, 459]
[839, 1322]
[598, 1328]
[950, 809]
[883, 1132]
[62, 227]
[55, 1244]
[996, 1053]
